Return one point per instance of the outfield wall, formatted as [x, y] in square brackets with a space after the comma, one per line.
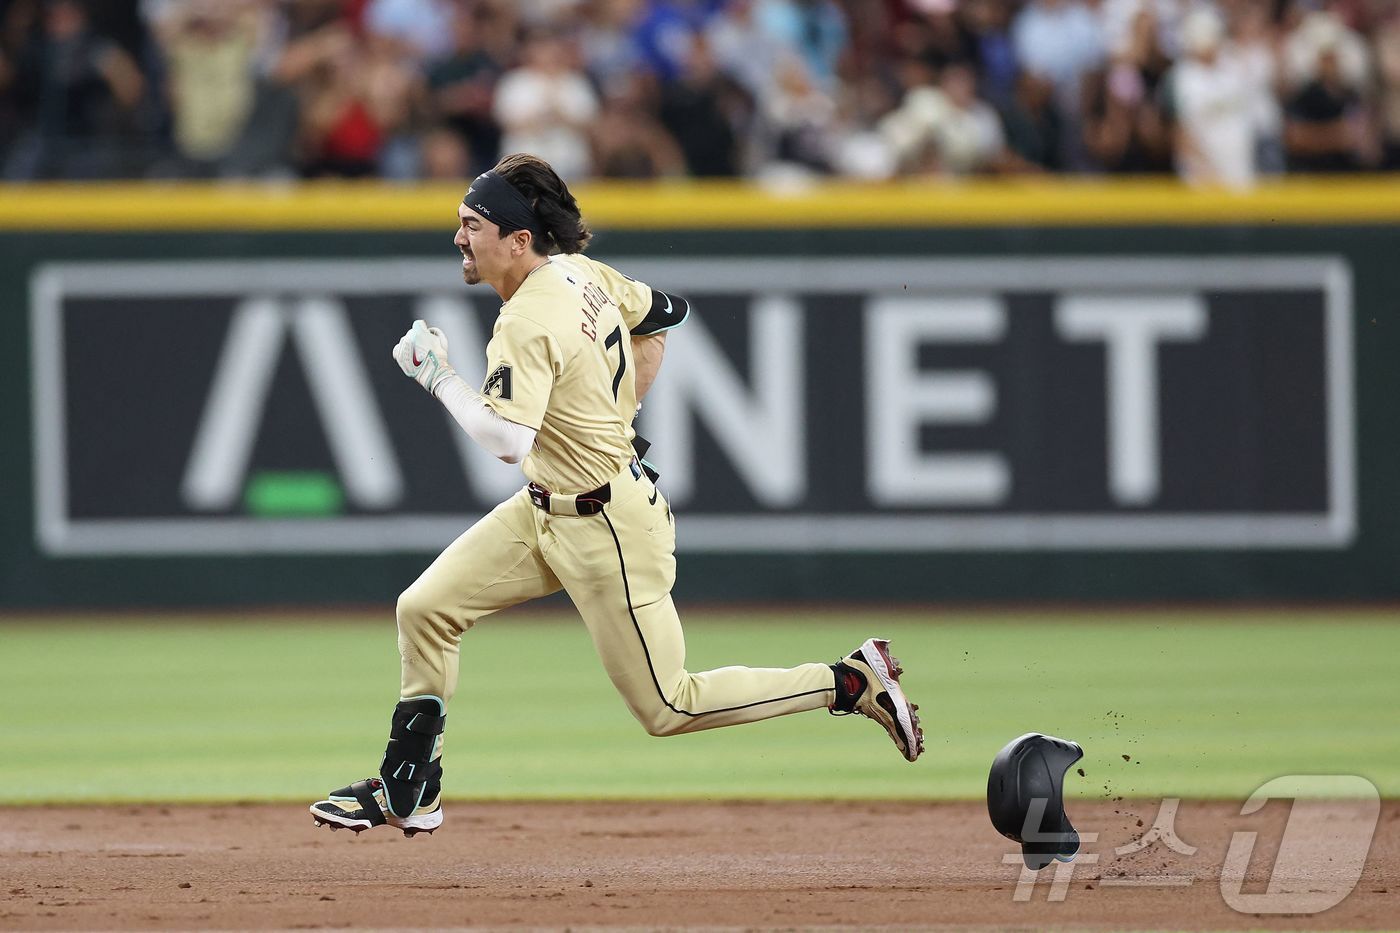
[1072, 391]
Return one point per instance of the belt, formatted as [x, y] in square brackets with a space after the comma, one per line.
[580, 503]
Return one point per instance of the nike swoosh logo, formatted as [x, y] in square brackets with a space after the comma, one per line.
[668, 302]
[653, 497]
[416, 360]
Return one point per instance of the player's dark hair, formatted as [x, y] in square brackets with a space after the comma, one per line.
[558, 212]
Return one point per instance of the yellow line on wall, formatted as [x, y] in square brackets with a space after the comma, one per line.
[704, 205]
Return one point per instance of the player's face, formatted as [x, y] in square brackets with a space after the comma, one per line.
[483, 249]
[473, 237]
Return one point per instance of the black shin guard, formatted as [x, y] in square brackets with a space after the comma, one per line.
[408, 767]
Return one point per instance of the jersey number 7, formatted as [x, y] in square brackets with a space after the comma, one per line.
[615, 340]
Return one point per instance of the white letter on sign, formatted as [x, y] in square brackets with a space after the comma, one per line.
[902, 399]
[1130, 327]
[340, 387]
[758, 422]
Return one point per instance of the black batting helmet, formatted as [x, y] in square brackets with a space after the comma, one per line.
[1025, 797]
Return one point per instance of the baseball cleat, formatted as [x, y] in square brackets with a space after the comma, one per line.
[867, 682]
[361, 806]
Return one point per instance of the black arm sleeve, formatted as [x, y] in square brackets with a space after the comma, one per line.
[667, 311]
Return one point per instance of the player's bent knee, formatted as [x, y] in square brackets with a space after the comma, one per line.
[662, 722]
[413, 610]
[421, 612]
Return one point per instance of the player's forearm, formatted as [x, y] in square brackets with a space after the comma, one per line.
[504, 439]
[646, 356]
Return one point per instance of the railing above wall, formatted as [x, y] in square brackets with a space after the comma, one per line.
[707, 205]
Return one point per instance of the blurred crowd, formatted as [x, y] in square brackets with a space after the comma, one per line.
[1220, 92]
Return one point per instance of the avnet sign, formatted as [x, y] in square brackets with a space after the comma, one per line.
[811, 404]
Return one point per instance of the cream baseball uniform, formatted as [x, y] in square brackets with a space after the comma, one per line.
[559, 396]
[560, 361]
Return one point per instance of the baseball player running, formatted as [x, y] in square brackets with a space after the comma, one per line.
[575, 346]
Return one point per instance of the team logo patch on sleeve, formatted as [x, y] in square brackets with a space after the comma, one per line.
[498, 382]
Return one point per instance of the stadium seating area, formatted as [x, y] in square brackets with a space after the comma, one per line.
[1221, 93]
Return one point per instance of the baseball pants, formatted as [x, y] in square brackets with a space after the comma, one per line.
[618, 567]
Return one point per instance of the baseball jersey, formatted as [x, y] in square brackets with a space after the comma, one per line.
[560, 361]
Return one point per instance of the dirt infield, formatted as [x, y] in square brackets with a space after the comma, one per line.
[665, 865]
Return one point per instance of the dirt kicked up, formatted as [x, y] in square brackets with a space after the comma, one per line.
[653, 865]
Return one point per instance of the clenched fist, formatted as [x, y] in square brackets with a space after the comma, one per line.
[422, 354]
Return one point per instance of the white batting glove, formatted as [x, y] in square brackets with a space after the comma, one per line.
[422, 354]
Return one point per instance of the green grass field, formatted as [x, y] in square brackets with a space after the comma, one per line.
[286, 707]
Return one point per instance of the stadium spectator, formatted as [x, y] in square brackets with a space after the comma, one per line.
[423, 28]
[462, 89]
[1314, 34]
[1060, 39]
[500, 25]
[742, 47]
[859, 150]
[356, 99]
[795, 134]
[930, 38]
[1212, 100]
[628, 142]
[445, 156]
[1326, 127]
[610, 56]
[1063, 41]
[78, 93]
[813, 29]
[1124, 128]
[665, 33]
[545, 106]
[707, 113]
[988, 27]
[395, 97]
[1032, 123]
[209, 47]
[947, 130]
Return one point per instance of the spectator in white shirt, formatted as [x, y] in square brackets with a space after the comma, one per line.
[546, 105]
[948, 130]
[1214, 106]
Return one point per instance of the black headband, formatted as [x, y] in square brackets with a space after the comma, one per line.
[500, 202]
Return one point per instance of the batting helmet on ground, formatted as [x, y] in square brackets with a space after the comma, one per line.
[1024, 797]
